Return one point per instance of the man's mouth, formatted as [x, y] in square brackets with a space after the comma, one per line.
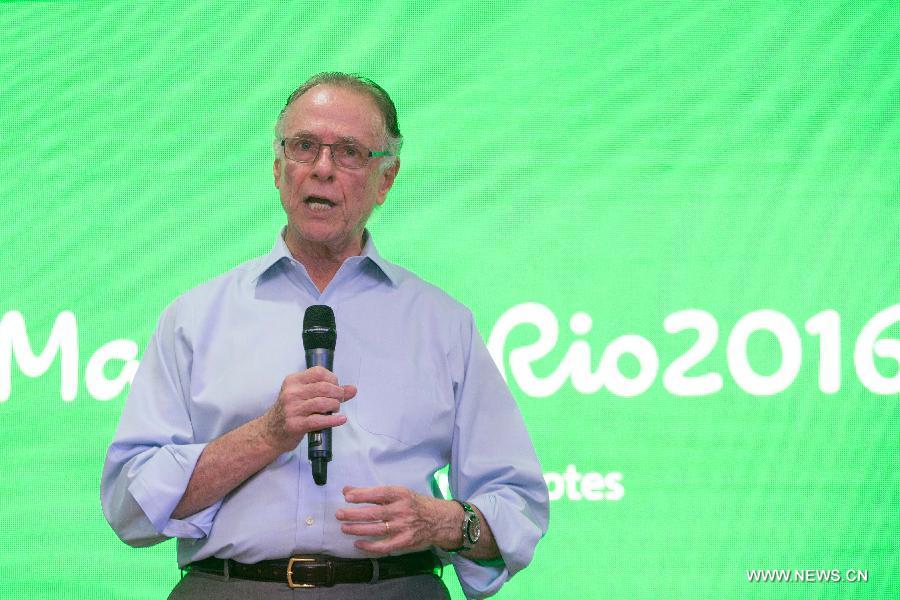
[318, 203]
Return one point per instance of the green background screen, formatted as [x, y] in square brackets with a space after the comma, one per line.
[677, 225]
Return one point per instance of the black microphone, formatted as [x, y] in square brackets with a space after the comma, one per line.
[319, 339]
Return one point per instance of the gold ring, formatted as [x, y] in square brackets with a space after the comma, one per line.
[387, 528]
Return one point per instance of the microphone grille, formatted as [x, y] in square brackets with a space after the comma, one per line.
[319, 330]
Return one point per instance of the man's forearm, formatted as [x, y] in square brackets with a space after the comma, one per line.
[308, 401]
[224, 464]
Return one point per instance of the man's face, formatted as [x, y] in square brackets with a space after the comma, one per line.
[327, 204]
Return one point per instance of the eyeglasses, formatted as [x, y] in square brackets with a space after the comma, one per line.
[349, 155]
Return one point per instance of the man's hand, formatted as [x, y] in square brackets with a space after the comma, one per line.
[303, 405]
[229, 460]
[405, 521]
[408, 522]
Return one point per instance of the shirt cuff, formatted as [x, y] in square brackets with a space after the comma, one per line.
[478, 580]
[160, 486]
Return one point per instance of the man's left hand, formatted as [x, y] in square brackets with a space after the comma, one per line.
[403, 520]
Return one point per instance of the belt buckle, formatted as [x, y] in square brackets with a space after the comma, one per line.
[329, 572]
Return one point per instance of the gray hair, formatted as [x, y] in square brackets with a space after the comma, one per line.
[393, 139]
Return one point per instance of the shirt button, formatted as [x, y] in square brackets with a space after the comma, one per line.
[310, 520]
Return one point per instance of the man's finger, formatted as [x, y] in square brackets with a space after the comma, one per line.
[366, 529]
[366, 513]
[382, 494]
[349, 392]
[314, 406]
[383, 546]
[313, 375]
[319, 422]
[302, 391]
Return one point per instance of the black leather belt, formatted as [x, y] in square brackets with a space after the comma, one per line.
[316, 570]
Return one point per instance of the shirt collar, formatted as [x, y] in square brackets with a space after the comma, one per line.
[390, 270]
[280, 252]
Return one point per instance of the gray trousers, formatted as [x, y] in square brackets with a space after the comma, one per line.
[197, 585]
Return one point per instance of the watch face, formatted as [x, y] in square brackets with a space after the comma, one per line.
[473, 531]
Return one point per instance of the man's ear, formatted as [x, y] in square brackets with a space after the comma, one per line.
[276, 172]
[387, 180]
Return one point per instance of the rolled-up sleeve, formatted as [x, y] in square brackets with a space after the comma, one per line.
[153, 454]
[494, 467]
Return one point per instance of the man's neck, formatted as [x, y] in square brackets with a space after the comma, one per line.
[322, 260]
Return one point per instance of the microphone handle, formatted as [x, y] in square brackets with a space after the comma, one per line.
[319, 442]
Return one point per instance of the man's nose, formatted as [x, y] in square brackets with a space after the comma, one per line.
[323, 167]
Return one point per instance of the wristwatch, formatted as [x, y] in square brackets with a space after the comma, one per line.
[471, 528]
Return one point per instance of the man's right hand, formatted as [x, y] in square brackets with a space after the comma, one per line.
[303, 405]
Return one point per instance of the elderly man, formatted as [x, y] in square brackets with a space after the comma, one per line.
[212, 444]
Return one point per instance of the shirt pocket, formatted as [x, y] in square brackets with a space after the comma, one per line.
[407, 402]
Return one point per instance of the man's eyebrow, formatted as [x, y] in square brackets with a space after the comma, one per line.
[302, 134]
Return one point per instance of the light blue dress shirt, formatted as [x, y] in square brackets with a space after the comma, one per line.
[429, 394]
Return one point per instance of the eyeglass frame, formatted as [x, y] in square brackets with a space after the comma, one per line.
[369, 154]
